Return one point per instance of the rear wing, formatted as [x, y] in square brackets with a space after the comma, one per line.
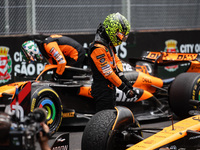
[162, 59]
[166, 58]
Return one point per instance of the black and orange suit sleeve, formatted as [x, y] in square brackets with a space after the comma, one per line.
[70, 51]
[118, 63]
[53, 50]
[104, 66]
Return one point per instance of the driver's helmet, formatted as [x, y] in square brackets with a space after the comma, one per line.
[117, 28]
[31, 52]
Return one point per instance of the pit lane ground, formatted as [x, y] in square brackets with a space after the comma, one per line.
[75, 133]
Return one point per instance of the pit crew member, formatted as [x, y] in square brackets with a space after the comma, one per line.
[106, 66]
[57, 49]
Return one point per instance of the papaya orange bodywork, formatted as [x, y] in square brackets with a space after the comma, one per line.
[168, 134]
[194, 67]
[144, 81]
[85, 91]
[46, 68]
[172, 56]
[146, 95]
[11, 88]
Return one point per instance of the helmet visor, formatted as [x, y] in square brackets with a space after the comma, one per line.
[31, 51]
[122, 37]
[26, 56]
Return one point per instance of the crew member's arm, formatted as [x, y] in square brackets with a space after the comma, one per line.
[103, 65]
[53, 49]
[120, 71]
[43, 139]
[118, 63]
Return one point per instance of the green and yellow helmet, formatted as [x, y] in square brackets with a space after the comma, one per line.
[31, 52]
[117, 28]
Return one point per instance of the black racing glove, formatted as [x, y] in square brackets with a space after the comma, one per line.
[128, 91]
[122, 77]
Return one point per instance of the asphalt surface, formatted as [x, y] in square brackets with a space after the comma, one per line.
[75, 133]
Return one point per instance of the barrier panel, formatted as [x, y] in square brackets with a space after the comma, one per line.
[12, 64]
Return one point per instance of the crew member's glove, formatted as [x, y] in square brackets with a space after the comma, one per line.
[126, 82]
[123, 78]
[128, 91]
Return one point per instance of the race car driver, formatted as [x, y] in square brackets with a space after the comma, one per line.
[106, 66]
[57, 49]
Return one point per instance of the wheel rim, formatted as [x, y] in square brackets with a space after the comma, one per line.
[49, 112]
[49, 106]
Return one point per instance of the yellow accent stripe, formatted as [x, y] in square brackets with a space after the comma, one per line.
[47, 90]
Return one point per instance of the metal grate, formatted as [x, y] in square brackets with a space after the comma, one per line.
[81, 16]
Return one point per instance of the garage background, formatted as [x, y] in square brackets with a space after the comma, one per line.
[152, 24]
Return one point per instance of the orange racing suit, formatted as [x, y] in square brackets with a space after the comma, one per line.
[64, 50]
[104, 65]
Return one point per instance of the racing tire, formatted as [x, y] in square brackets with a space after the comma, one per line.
[45, 97]
[98, 130]
[186, 86]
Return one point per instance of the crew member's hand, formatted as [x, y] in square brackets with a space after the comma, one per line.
[130, 93]
[43, 138]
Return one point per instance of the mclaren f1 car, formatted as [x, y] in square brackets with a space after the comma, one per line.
[185, 77]
[118, 129]
[68, 100]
